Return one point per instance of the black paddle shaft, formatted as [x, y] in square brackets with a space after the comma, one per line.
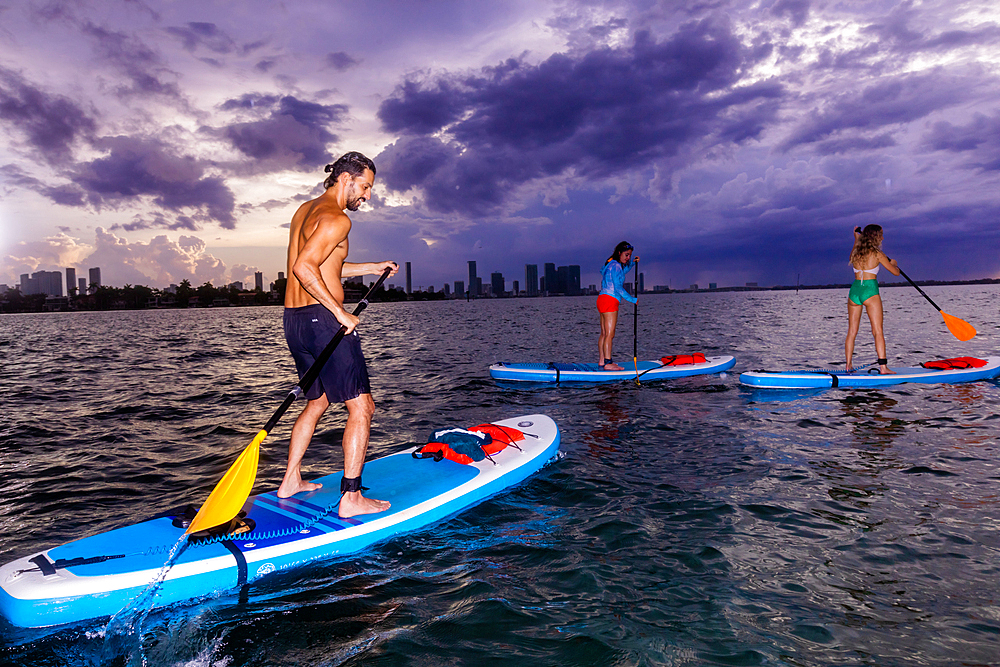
[313, 372]
[919, 290]
[635, 327]
[635, 315]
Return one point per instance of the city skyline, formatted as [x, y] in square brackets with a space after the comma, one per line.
[729, 142]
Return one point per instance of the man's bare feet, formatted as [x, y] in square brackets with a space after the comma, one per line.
[885, 370]
[353, 504]
[612, 367]
[289, 489]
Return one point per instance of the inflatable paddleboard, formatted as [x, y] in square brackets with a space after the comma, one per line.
[648, 370]
[839, 378]
[98, 575]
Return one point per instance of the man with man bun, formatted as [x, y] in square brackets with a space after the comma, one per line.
[314, 312]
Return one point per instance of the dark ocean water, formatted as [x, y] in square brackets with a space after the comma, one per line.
[691, 522]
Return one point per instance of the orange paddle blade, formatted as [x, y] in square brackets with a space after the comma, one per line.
[961, 329]
[228, 496]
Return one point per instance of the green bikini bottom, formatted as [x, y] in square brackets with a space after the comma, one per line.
[862, 290]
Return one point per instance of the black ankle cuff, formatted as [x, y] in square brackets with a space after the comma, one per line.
[350, 484]
[883, 362]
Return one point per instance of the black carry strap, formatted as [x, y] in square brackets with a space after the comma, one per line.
[554, 367]
[241, 561]
[49, 567]
[44, 564]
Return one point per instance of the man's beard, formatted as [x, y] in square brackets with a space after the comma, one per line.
[354, 204]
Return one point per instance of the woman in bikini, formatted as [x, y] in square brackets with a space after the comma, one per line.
[612, 292]
[866, 259]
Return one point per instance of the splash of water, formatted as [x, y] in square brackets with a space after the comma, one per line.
[124, 630]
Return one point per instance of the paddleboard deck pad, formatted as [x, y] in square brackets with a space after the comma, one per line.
[840, 378]
[98, 575]
[647, 371]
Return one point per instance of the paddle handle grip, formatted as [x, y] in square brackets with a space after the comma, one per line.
[919, 290]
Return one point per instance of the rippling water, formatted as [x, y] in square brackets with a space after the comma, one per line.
[690, 522]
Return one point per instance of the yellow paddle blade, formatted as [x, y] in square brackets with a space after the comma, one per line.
[231, 492]
[961, 329]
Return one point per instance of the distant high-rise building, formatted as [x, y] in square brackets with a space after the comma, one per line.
[281, 275]
[551, 280]
[409, 279]
[447, 289]
[55, 283]
[81, 286]
[531, 279]
[477, 290]
[258, 280]
[459, 287]
[42, 282]
[95, 278]
[515, 288]
[562, 280]
[573, 279]
[498, 283]
[70, 280]
[472, 278]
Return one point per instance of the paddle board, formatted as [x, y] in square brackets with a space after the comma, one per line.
[648, 370]
[98, 575]
[816, 379]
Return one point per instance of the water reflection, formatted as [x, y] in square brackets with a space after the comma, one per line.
[872, 425]
[605, 437]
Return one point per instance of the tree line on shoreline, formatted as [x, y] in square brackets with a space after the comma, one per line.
[141, 297]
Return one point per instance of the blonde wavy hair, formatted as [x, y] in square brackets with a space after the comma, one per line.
[869, 243]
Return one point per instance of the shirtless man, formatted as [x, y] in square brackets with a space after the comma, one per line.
[314, 312]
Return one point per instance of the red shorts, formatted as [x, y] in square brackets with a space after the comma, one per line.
[607, 304]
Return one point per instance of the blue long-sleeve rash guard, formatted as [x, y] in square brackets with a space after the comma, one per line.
[613, 280]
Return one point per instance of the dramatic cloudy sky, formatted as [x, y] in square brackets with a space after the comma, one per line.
[729, 140]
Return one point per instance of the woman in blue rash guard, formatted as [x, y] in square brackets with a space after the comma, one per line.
[866, 259]
[612, 293]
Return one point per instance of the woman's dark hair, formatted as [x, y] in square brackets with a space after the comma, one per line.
[353, 163]
[619, 249]
[869, 243]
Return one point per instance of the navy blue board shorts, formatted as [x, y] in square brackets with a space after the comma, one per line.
[345, 375]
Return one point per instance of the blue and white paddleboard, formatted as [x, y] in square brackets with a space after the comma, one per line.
[841, 378]
[648, 370]
[98, 575]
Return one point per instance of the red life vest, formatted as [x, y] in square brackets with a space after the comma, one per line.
[500, 438]
[683, 359]
[954, 363]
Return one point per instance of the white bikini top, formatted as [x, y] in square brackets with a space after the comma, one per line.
[874, 271]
